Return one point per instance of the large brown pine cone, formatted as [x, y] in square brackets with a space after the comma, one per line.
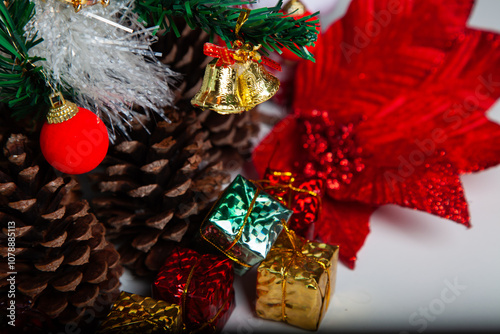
[57, 247]
[157, 186]
[184, 55]
[233, 135]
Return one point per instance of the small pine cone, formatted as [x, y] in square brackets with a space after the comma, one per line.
[157, 186]
[48, 236]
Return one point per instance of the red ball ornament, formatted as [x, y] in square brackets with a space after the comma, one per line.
[73, 139]
[297, 10]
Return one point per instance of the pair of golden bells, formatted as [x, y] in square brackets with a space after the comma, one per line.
[235, 82]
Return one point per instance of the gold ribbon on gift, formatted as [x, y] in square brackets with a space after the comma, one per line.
[237, 238]
[240, 231]
[183, 304]
[289, 185]
[210, 321]
[297, 253]
[185, 291]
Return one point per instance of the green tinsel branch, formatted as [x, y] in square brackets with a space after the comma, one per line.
[22, 84]
[265, 26]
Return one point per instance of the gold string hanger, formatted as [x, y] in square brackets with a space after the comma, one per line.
[240, 22]
[79, 4]
[245, 51]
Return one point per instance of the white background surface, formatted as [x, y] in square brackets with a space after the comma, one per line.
[409, 256]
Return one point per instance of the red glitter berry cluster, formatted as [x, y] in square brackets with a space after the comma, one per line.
[334, 154]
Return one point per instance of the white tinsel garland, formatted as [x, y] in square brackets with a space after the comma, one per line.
[110, 70]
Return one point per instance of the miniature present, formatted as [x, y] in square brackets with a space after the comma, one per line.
[244, 223]
[295, 281]
[201, 284]
[302, 195]
[136, 314]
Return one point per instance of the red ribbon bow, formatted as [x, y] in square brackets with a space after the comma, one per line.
[229, 56]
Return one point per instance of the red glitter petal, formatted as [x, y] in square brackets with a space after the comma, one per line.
[402, 88]
[345, 224]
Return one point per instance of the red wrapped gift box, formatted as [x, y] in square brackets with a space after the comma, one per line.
[201, 284]
[302, 195]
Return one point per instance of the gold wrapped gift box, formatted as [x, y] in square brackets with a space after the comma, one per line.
[295, 281]
[136, 314]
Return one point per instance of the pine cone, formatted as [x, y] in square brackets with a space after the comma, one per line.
[157, 186]
[184, 55]
[232, 135]
[64, 264]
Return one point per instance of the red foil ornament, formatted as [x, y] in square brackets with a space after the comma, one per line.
[201, 284]
[302, 195]
[75, 145]
[392, 112]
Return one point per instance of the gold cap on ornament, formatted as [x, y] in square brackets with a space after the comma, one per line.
[61, 110]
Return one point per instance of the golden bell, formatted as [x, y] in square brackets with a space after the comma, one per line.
[255, 84]
[218, 90]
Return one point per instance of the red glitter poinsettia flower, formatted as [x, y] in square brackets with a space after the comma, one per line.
[393, 111]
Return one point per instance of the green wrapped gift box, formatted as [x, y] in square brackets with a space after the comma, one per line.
[244, 223]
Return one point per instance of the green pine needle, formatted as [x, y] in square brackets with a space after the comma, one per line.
[22, 84]
[265, 26]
